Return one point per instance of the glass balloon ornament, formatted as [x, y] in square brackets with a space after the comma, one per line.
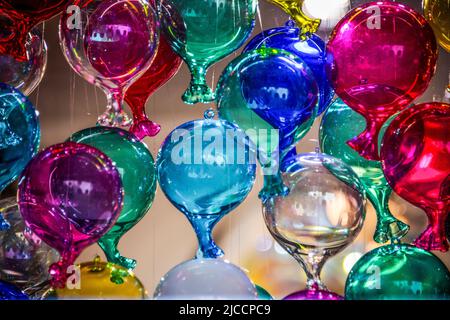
[437, 12]
[311, 51]
[11, 292]
[110, 44]
[294, 8]
[70, 195]
[24, 258]
[339, 124]
[398, 272]
[18, 17]
[205, 279]
[26, 75]
[206, 168]
[137, 169]
[322, 214]
[204, 32]
[382, 56]
[416, 162]
[19, 135]
[272, 95]
[102, 280]
[165, 65]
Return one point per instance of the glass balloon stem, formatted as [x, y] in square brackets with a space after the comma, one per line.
[434, 237]
[207, 247]
[388, 227]
[198, 90]
[60, 270]
[109, 247]
[142, 126]
[114, 115]
[273, 186]
[366, 143]
[312, 265]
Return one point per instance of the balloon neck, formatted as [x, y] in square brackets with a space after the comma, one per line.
[207, 248]
[306, 24]
[273, 187]
[145, 128]
[388, 227]
[58, 272]
[198, 91]
[114, 116]
[312, 264]
[434, 237]
[366, 143]
[109, 247]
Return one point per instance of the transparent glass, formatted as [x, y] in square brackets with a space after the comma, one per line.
[323, 212]
[110, 44]
[26, 75]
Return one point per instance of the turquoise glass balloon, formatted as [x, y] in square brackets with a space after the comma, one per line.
[19, 136]
[137, 170]
[203, 32]
[339, 124]
[398, 272]
[272, 95]
[206, 168]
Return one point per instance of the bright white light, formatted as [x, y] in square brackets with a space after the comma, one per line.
[350, 260]
[330, 12]
[279, 249]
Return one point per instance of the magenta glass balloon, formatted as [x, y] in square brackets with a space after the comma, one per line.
[416, 162]
[313, 294]
[110, 43]
[70, 195]
[382, 56]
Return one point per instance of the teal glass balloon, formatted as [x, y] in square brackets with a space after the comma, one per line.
[19, 136]
[137, 169]
[272, 95]
[206, 168]
[203, 32]
[398, 272]
[339, 124]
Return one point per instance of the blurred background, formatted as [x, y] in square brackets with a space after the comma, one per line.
[164, 238]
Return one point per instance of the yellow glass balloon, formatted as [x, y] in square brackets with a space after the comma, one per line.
[102, 280]
[294, 8]
[437, 12]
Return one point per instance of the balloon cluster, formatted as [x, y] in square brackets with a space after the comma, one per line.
[98, 184]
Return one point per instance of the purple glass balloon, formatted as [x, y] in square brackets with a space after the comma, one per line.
[313, 295]
[70, 195]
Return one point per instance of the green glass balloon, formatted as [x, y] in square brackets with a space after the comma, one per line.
[398, 272]
[263, 294]
[203, 32]
[339, 125]
[136, 166]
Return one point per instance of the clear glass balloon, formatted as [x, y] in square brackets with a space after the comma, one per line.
[203, 32]
[110, 44]
[323, 213]
[206, 279]
[26, 75]
[24, 258]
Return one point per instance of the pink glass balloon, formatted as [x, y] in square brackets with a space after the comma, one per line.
[382, 56]
[313, 294]
[110, 43]
[70, 195]
[416, 162]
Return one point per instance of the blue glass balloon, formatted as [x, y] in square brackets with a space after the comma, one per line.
[312, 51]
[19, 135]
[264, 91]
[206, 168]
[10, 292]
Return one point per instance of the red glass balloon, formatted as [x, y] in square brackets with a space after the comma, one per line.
[416, 162]
[382, 56]
[164, 66]
[18, 17]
